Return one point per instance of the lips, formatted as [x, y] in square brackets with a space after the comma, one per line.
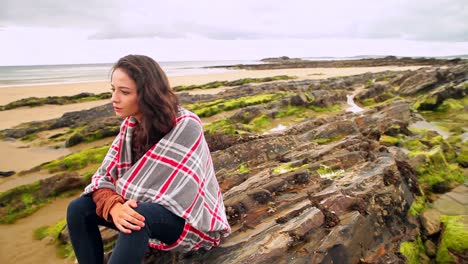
[117, 109]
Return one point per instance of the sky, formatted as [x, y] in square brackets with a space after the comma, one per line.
[93, 31]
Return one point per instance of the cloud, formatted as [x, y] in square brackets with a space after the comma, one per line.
[433, 20]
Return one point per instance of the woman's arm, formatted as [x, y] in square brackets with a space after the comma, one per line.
[105, 199]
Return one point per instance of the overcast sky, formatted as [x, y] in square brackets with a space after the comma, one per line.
[47, 31]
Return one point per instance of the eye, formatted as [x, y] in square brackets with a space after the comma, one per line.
[125, 93]
[112, 89]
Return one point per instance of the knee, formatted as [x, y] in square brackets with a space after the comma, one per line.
[79, 208]
[149, 210]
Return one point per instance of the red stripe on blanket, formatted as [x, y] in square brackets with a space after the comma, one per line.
[178, 167]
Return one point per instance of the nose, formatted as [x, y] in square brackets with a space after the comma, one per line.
[114, 98]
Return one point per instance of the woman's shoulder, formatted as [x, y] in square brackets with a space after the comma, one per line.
[188, 119]
[184, 114]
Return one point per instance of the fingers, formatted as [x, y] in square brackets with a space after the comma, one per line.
[122, 229]
[137, 218]
[127, 224]
[132, 203]
[126, 219]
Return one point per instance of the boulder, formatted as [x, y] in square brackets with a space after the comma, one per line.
[430, 220]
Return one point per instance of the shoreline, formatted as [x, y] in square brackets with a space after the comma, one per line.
[12, 93]
[17, 116]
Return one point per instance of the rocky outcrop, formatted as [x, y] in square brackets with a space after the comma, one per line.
[331, 188]
[426, 80]
[285, 63]
[287, 209]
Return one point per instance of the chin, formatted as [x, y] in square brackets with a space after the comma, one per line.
[120, 115]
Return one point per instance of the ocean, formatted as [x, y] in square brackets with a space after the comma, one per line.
[74, 73]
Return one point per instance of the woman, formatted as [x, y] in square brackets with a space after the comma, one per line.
[157, 184]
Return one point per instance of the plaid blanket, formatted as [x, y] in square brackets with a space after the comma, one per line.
[176, 173]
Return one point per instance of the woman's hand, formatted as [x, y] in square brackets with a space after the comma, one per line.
[125, 218]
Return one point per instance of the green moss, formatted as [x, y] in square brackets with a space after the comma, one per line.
[243, 81]
[88, 175]
[454, 237]
[413, 145]
[389, 140]
[52, 231]
[29, 137]
[436, 169]
[27, 199]
[368, 102]
[55, 100]
[65, 251]
[462, 157]
[449, 105]
[322, 141]
[413, 250]
[207, 109]
[332, 108]
[425, 102]
[222, 126]
[327, 172]
[243, 169]
[287, 168]
[290, 110]
[77, 160]
[260, 121]
[418, 206]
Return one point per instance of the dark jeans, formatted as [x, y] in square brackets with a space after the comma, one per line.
[83, 223]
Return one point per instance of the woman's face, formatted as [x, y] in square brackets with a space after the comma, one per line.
[124, 95]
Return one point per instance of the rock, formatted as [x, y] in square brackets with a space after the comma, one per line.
[418, 82]
[430, 220]
[431, 248]
[286, 62]
[454, 202]
[6, 173]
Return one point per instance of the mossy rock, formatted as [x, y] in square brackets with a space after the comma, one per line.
[389, 140]
[50, 231]
[450, 105]
[414, 145]
[55, 100]
[77, 160]
[462, 157]
[238, 82]
[290, 110]
[332, 108]
[24, 200]
[454, 238]
[222, 126]
[207, 109]
[425, 102]
[436, 171]
[322, 141]
[413, 251]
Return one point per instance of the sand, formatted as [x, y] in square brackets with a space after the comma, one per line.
[17, 245]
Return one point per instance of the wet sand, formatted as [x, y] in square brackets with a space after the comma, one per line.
[14, 117]
[17, 245]
[16, 156]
